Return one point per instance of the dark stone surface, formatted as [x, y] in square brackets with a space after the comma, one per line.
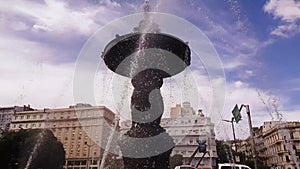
[122, 47]
[146, 145]
[147, 109]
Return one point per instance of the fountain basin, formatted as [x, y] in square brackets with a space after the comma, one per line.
[132, 53]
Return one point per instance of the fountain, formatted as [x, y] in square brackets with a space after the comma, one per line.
[147, 56]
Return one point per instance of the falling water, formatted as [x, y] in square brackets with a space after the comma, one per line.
[145, 26]
[263, 101]
[35, 148]
[112, 134]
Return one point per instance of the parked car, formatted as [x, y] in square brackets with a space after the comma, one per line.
[232, 166]
[184, 167]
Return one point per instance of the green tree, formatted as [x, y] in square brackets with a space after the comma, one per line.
[35, 148]
[224, 152]
[176, 160]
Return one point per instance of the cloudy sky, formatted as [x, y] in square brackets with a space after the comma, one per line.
[257, 42]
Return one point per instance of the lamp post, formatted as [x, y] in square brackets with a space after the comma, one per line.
[88, 154]
[251, 133]
[232, 126]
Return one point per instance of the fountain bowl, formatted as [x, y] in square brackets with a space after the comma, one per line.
[129, 54]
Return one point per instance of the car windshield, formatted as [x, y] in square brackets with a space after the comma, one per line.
[229, 167]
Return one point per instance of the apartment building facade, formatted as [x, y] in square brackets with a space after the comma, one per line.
[83, 130]
[277, 144]
[6, 114]
[187, 127]
[282, 142]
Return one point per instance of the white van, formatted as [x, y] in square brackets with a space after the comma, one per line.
[232, 166]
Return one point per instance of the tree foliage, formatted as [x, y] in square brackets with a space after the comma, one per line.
[224, 152]
[45, 150]
[176, 160]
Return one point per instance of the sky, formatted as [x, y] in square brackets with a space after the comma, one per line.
[257, 43]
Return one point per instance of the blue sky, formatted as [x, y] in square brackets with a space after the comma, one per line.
[257, 42]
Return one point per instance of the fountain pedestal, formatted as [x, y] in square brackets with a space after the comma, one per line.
[147, 109]
[147, 58]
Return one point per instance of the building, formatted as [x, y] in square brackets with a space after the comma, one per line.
[185, 111]
[277, 144]
[187, 128]
[282, 142]
[83, 130]
[6, 114]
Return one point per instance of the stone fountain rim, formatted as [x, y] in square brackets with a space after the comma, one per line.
[185, 56]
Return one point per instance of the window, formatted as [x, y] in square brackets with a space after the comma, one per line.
[287, 159]
[70, 163]
[77, 162]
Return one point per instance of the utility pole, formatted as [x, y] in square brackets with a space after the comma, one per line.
[232, 126]
[251, 135]
[237, 116]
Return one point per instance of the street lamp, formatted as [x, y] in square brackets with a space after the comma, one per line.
[88, 154]
[232, 126]
[237, 116]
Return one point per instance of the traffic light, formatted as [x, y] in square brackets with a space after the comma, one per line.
[202, 146]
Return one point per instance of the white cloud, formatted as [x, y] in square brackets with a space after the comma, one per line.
[239, 92]
[57, 16]
[249, 73]
[27, 79]
[31, 38]
[111, 3]
[19, 26]
[239, 84]
[231, 65]
[286, 30]
[288, 11]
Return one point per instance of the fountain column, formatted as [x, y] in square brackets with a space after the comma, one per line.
[147, 110]
[147, 57]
